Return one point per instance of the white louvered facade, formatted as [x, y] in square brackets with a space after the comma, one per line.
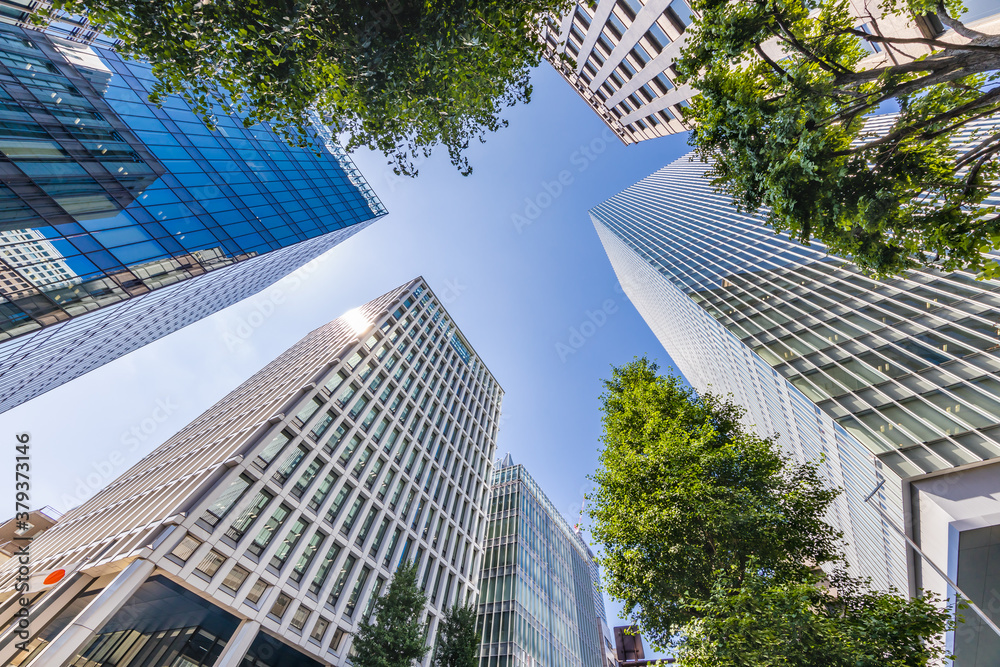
[891, 380]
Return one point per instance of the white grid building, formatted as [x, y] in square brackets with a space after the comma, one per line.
[619, 56]
[262, 532]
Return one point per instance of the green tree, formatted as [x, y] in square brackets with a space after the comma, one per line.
[398, 76]
[761, 622]
[457, 640]
[713, 539]
[783, 116]
[396, 637]
[685, 492]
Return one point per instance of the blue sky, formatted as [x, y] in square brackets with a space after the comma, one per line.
[510, 249]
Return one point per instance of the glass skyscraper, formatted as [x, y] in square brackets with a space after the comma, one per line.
[890, 381]
[262, 533]
[540, 605]
[121, 222]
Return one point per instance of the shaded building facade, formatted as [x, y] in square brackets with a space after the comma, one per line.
[892, 385]
[121, 222]
[539, 603]
[262, 533]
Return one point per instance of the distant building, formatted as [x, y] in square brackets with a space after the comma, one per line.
[121, 222]
[621, 57]
[629, 651]
[261, 534]
[18, 533]
[538, 601]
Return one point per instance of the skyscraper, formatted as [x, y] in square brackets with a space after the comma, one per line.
[121, 222]
[619, 56]
[261, 533]
[891, 382]
[539, 601]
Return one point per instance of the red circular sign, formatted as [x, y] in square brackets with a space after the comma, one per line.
[54, 577]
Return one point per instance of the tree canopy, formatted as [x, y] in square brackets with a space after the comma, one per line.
[396, 636]
[399, 76]
[762, 622]
[457, 640]
[787, 89]
[685, 492]
[715, 540]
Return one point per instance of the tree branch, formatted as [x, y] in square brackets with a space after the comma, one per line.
[932, 64]
[908, 88]
[970, 178]
[912, 128]
[871, 37]
[957, 25]
[777, 68]
[983, 100]
[982, 149]
[829, 67]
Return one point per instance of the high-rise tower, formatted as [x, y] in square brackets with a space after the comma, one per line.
[893, 383]
[261, 533]
[121, 222]
[540, 602]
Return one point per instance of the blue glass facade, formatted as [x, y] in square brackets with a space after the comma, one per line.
[105, 198]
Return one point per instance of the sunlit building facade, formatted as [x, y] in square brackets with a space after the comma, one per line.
[540, 605]
[891, 382]
[121, 222]
[261, 534]
[619, 56]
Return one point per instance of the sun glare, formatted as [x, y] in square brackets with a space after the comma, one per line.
[357, 321]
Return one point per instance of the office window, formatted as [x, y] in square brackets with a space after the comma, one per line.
[299, 618]
[323, 490]
[187, 547]
[307, 477]
[338, 503]
[323, 571]
[306, 413]
[338, 637]
[289, 465]
[232, 495]
[359, 585]
[319, 630]
[235, 578]
[256, 591]
[211, 563]
[272, 449]
[352, 515]
[341, 581]
[280, 606]
[286, 546]
[268, 531]
[247, 517]
[307, 555]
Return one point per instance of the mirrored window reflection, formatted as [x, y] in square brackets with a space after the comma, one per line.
[162, 625]
[266, 651]
[101, 202]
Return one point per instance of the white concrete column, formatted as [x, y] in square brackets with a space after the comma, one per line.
[69, 642]
[42, 613]
[237, 647]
